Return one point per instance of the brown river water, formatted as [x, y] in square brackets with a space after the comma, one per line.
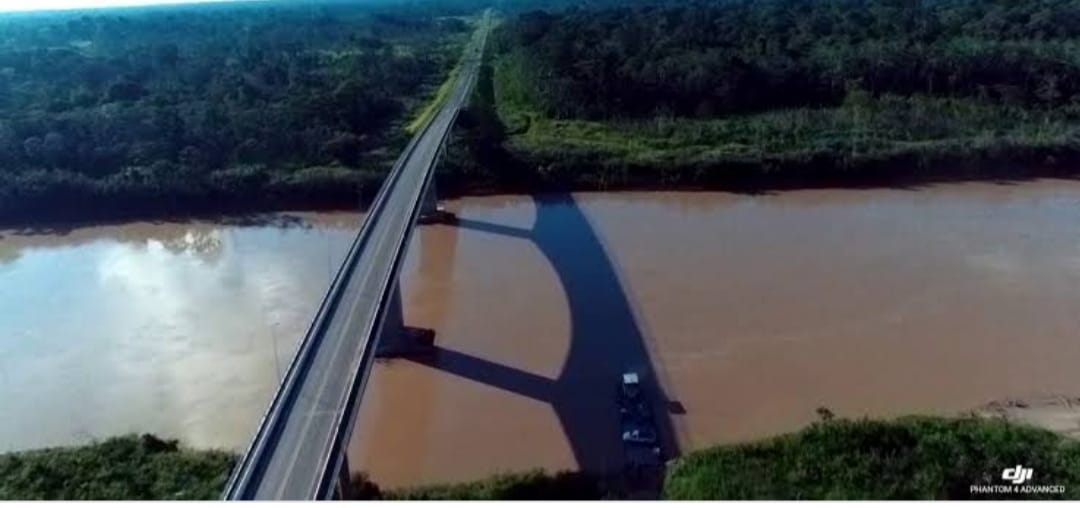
[750, 311]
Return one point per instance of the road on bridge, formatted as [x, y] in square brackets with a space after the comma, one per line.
[298, 450]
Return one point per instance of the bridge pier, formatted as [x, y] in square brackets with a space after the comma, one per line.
[298, 450]
[397, 340]
[430, 209]
[431, 212]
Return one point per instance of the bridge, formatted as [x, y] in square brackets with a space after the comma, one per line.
[298, 452]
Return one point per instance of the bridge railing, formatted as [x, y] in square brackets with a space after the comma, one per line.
[347, 418]
[252, 464]
[245, 479]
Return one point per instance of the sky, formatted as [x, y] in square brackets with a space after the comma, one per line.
[39, 5]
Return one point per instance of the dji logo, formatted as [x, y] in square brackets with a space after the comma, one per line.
[1017, 475]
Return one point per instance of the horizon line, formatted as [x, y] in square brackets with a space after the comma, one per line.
[57, 6]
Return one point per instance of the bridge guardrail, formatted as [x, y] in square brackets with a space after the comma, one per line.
[253, 463]
[346, 419]
[269, 425]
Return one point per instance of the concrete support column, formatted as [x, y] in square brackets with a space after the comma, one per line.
[397, 340]
[430, 211]
[394, 321]
[430, 205]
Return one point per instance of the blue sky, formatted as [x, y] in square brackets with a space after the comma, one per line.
[37, 5]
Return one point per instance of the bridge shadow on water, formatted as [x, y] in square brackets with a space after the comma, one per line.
[606, 340]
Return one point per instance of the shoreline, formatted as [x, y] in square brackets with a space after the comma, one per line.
[178, 468]
[747, 179]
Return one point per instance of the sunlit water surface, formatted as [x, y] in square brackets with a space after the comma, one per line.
[752, 310]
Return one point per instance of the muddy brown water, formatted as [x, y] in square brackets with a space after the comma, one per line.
[751, 311]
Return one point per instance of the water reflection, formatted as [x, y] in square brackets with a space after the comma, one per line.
[146, 327]
[199, 237]
[751, 310]
[205, 244]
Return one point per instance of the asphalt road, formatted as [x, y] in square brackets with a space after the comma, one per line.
[299, 439]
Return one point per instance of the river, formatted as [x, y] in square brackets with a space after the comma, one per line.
[753, 311]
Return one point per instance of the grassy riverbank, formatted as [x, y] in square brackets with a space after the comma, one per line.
[786, 94]
[907, 458]
[148, 468]
[866, 141]
[535, 485]
[131, 467]
[505, 145]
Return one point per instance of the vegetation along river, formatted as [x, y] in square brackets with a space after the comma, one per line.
[752, 311]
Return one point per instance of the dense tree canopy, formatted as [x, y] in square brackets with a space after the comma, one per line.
[96, 95]
[160, 100]
[703, 59]
[284, 104]
[765, 94]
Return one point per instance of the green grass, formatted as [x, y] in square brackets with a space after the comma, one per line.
[909, 458]
[865, 137]
[439, 97]
[130, 467]
[433, 105]
[878, 126]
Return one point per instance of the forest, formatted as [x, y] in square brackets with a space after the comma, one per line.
[703, 60]
[257, 106]
[716, 92]
[156, 111]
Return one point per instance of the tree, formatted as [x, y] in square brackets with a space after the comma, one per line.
[345, 148]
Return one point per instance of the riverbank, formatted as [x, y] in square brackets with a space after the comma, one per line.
[88, 202]
[843, 147]
[149, 468]
[130, 467]
[907, 458]
[500, 147]
[734, 102]
[867, 141]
